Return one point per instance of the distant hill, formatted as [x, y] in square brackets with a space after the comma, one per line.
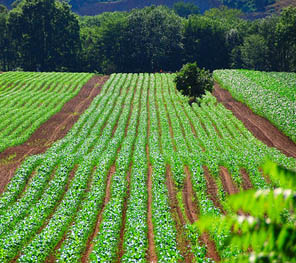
[94, 7]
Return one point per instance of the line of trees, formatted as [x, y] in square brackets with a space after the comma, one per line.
[45, 35]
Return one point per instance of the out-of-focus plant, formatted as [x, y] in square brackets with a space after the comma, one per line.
[263, 223]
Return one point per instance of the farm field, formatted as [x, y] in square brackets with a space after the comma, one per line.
[271, 95]
[29, 99]
[129, 179]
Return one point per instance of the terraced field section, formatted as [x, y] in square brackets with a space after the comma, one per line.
[29, 99]
[271, 95]
[129, 179]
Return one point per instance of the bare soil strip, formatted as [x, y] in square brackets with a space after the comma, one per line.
[151, 253]
[90, 244]
[261, 128]
[247, 184]
[52, 130]
[192, 214]
[179, 218]
[212, 189]
[228, 184]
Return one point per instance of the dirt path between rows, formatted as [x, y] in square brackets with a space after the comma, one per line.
[212, 189]
[50, 131]
[260, 127]
[247, 184]
[192, 215]
[179, 218]
[90, 245]
[227, 181]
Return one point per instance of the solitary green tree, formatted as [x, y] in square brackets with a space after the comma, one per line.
[193, 81]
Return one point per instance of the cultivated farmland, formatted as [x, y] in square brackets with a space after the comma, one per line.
[271, 95]
[131, 176]
[29, 99]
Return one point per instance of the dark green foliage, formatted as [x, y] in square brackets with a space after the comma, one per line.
[46, 35]
[153, 40]
[185, 9]
[205, 42]
[193, 81]
[286, 34]
[144, 40]
[254, 52]
[266, 224]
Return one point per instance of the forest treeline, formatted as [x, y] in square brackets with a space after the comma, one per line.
[45, 35]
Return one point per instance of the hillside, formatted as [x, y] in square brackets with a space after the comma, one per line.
[94, 7]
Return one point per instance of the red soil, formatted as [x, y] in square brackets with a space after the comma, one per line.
[247, 184]
[192, 214]
[228, 184]
[52, 130]
[178, 217]
[212, 189]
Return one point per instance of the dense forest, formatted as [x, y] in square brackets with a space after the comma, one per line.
[45, 35]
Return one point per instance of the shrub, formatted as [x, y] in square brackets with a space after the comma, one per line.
[265, 228]
[193, 81]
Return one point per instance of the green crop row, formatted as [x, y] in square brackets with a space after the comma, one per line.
[29, 99]
[56, 203]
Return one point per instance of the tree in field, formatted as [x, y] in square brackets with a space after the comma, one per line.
[193, 81]
[265, 230]
[47, 35]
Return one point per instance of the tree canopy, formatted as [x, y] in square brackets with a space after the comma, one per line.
[46, 35]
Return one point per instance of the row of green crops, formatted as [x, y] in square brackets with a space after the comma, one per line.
[40, 216]
[56, 203]
[219, 140]
[269, 94]
[29, 99]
